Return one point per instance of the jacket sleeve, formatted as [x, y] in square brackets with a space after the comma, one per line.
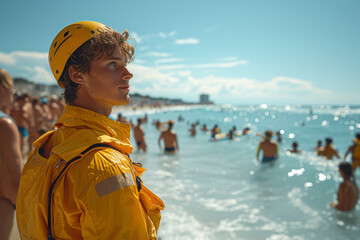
[110, 203]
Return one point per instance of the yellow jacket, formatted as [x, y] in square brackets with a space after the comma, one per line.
[94, 191]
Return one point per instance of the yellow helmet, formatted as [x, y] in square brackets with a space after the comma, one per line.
[67, 41]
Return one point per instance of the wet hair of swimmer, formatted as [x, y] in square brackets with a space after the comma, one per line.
[268, 133]
[358, 136]
[346, 168]
[328, 141]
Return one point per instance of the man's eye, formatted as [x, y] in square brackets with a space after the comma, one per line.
[112, 64]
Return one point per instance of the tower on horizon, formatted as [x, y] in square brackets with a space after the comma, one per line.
[204, 99]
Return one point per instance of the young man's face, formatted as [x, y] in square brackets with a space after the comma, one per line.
[107, 82]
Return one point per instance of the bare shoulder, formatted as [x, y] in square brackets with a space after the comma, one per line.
[7, 128]
[343, 186]
[6, 124]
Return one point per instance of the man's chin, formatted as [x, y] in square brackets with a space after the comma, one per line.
[124, 102]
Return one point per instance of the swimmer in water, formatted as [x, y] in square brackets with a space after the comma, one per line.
[328, 150]
[139, 135]
[348, 192]
[294, 148]
[192, 130]
[215, 131]
[170, 139]
[268, 147]
[355, 151]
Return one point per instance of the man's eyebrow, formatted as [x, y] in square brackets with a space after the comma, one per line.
[115, 58]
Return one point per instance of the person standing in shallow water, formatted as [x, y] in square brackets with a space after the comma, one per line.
[294, 148]
[268, 147]
[170, 139]
[348, 192]
[10, 157]
[355, 151]
[139, 135]
[328, 150]
[79, 182]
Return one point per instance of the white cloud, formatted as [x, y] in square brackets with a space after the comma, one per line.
[17, 57]
[221, 65]
[174, 66]
[143, 48]
[207, 65]
[181, 83]
[32, 55]
[153, 81]
[157, 54]
[229, 59]
[39, 74]
[7, 59]
[166, 35]
[168, 60]
[187, 41]
[30, 65]
[138, 61]
[212, 28]
[136, 37]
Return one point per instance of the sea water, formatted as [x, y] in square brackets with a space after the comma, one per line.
[217, 190]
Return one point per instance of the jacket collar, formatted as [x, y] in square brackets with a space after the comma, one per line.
[79, 128]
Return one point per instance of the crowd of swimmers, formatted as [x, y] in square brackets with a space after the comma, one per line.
[167, 135]
[348, 192]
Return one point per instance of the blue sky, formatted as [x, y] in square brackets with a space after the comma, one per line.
[239, 52]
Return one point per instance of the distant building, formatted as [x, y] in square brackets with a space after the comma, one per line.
[204, 99]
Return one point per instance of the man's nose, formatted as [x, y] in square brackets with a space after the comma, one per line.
[127, 75]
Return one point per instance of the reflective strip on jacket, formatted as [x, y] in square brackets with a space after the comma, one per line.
[97, 196]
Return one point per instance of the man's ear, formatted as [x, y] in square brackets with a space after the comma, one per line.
[76, 76]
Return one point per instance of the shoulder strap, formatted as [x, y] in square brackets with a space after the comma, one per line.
[82, 154]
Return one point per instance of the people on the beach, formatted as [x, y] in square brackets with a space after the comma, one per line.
[328, 150]
[354, 149]
[10, 156]
[268, 147]
[79, 182]
[348, 192]
[139, 135]
[49, 124]
[294, 148]
[22, 117]
[170, 139]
